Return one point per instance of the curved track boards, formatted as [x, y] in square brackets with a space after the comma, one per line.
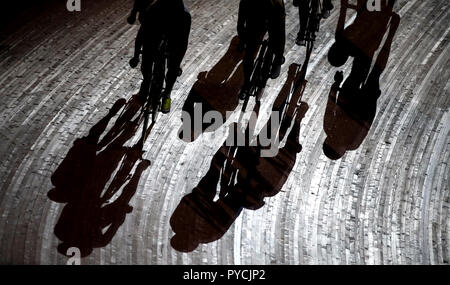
[385, 203]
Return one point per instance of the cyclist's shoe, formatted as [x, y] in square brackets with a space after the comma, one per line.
[165, 108]
[300, 41]
[275, 72]
[134, 62]
[276, 68]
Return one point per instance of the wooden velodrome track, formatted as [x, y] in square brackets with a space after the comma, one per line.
[385, 203]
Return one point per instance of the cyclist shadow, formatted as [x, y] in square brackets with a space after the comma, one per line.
[352, 104]
[215, 90]
[243, 175]
[89, 220]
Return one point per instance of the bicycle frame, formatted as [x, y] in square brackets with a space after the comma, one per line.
[257, 78]
[314, 17]
[151, 106]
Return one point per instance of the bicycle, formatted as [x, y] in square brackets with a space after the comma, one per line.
[258, 77]
[260, 72]
[314, 16]
[153, 100]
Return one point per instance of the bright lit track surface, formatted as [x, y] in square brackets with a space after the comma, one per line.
[385, 203]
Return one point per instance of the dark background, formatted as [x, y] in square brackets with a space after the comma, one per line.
[14, 13]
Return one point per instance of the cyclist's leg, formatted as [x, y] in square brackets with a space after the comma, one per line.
[173, 71]
[177, 45]
[253, 37]
[148, 59]
[248, 62]
[303, 7]
[134, 61]
[147, 71]
[171, 77]
[312, 25]
[327, 6]
[277, 40]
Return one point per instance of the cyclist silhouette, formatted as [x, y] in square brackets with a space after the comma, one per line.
[362, 38]
[351, 107]
[94, 170]
[140, 6]
[255, 18]
[242, 174]
[167, 20]
[303, 6]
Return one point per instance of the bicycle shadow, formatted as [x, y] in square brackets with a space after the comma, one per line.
[89, 220]
[242, 174]
[352, 103]
[215, 90]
